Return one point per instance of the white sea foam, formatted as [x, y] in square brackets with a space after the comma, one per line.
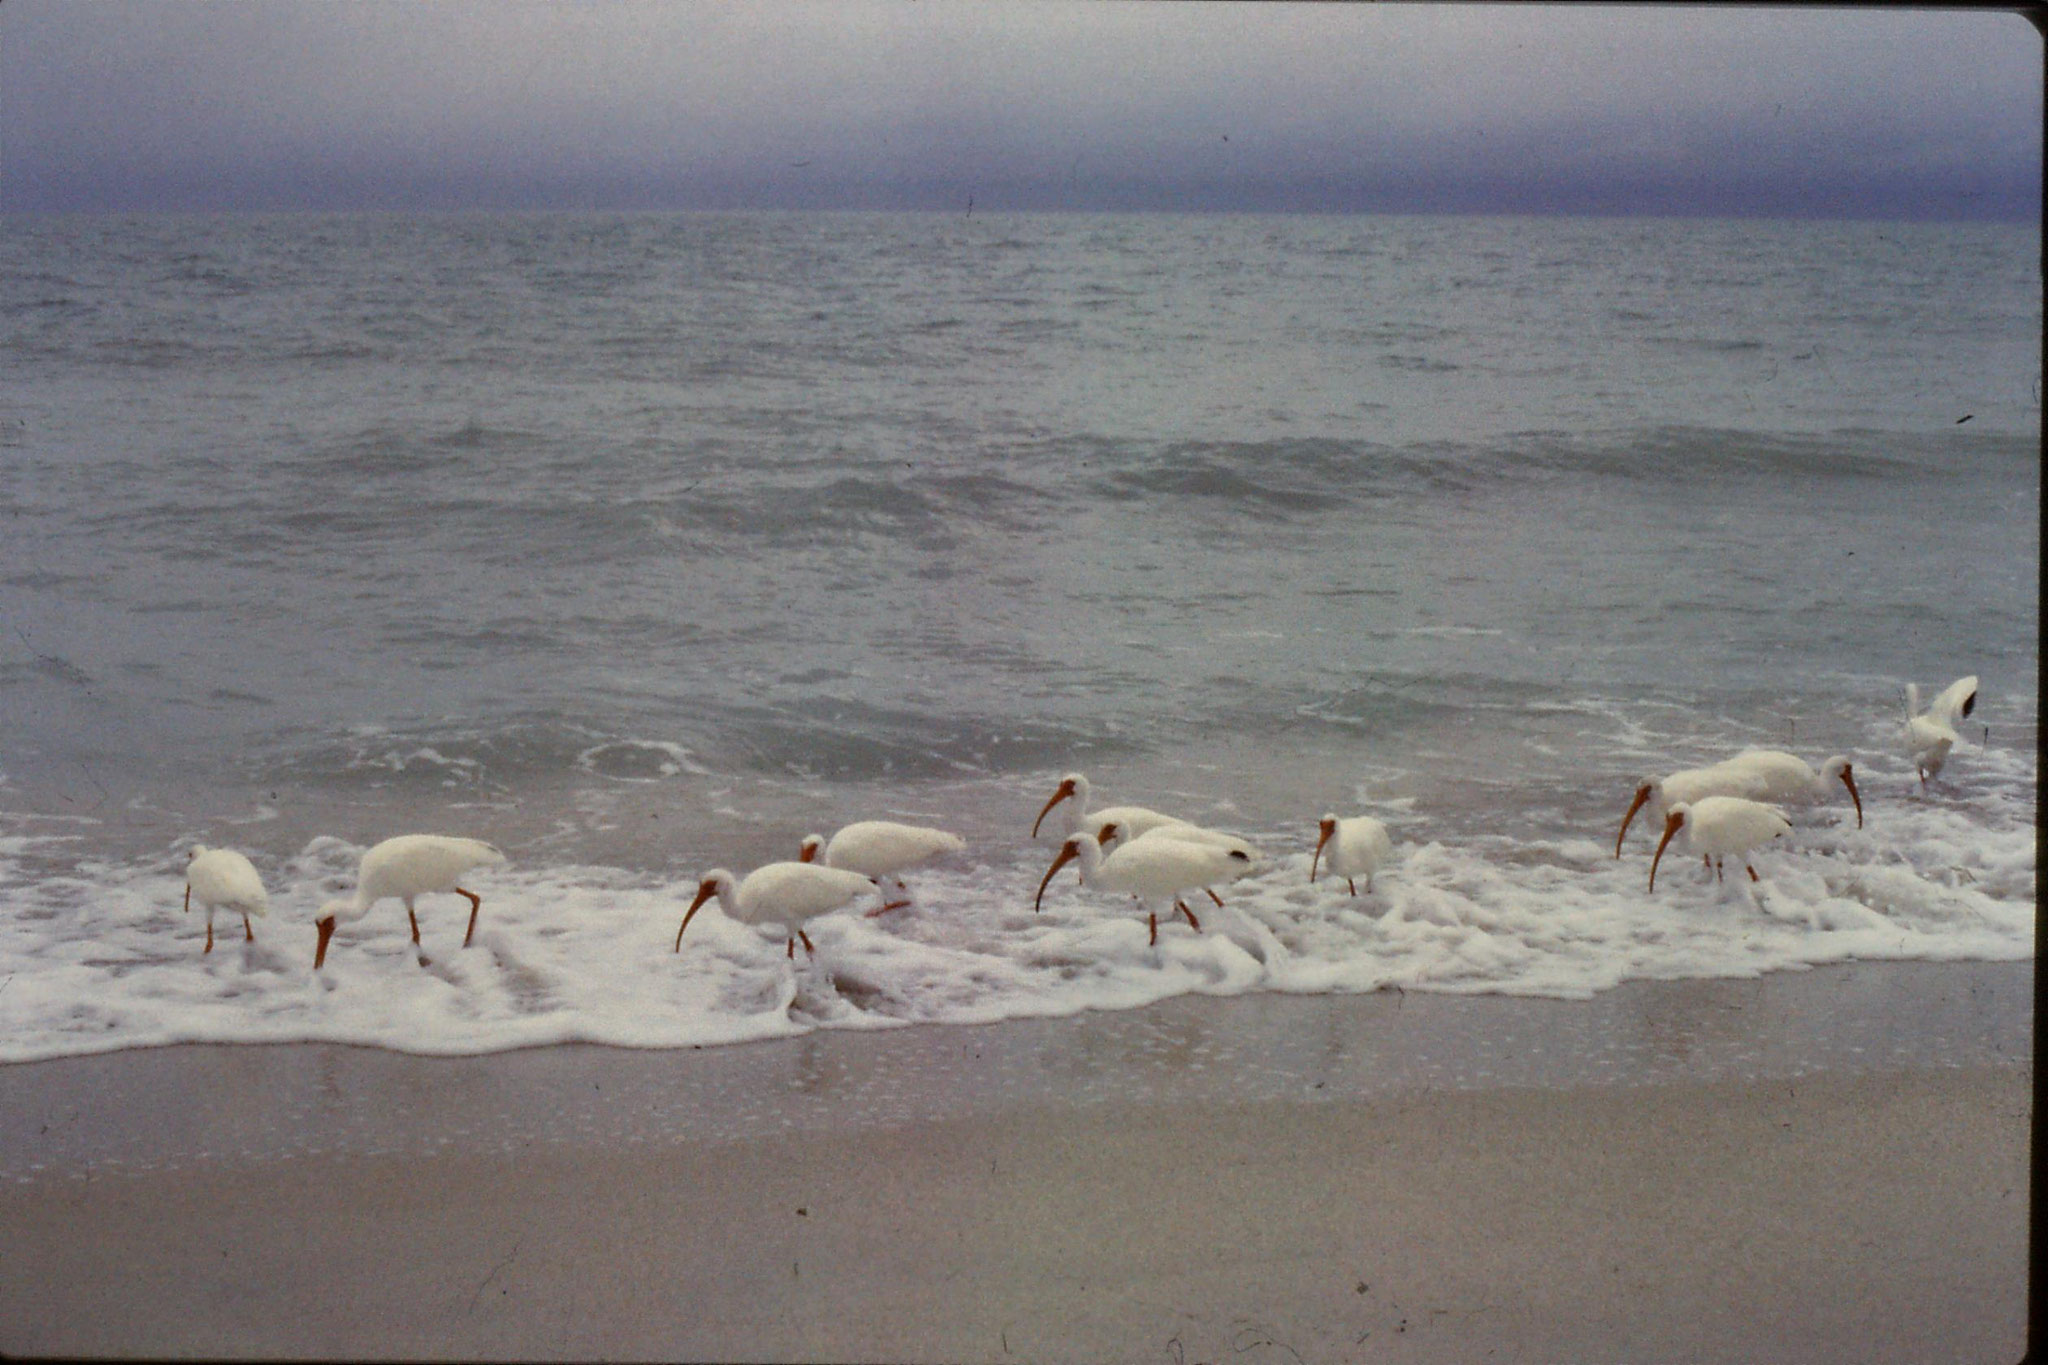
[102, 958]
[638, 760]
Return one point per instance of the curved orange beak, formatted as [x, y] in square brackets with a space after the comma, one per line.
[1670, 828]
[1849, 781]
[1069, 851]
[1066, 790]
[1329, 827]
[1642, 797]
[807, 854]
[705, 891]
[326, 928]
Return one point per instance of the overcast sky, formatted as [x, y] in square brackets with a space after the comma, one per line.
[1028, 104]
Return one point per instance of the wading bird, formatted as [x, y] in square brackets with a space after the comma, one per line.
[1718, 826]
[409, 866]
[780, 893]
[1932, 733]
[1109, 831]
[1357, 848]
[1155, 870]
[879, 849]
[1753, 774]
[223, 878]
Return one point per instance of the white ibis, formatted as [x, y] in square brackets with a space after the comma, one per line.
[878, 849]
[1131, 820]
[785, 893]
[1110, 830]
[1718, 826]
[1754, 774]
[221, 877]
[1777, 776]
[1357, 848]
[1153, 870]
[1932, 733]
[409, 866]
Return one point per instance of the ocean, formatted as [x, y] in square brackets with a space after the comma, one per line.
[643, 544]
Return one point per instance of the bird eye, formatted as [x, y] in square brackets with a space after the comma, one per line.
[1240, 855]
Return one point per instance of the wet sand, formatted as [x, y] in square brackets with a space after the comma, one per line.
[1698, 1212]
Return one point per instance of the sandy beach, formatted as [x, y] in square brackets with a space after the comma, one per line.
[1696, 1208]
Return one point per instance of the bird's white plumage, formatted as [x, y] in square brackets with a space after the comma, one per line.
[1111, 831]
[222, 879]
[1928, 744]
[1155, 870]
[407, 867]
[1754, 775]
[1955, 702]
[1191, 834]
[781, 893]
[1358, 847]
[1132, 821]
[1775, 775]
[420, 865]
[1717, 827]
[1931, 735]
[883, 848]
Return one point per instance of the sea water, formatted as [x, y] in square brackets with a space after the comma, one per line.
[645, 544]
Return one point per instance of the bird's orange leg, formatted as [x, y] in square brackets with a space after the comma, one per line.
[476, 903]
[791, 948]
[209, 936]
[415, 923]
[248, 929]
[1182, 906]
[1152, 920]
[1354, 885]
[1214, 897]
[807, 941]
[1750, 870]
[188, 900]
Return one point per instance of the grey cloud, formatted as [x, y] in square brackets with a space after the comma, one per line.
[277, 103]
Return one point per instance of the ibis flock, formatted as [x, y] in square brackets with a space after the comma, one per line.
[1727, 809]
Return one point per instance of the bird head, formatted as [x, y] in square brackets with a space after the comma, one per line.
[810, 848]
[329, 915]
[1069, 785]
[1069, 851]
[1328, 827]
[717, 881]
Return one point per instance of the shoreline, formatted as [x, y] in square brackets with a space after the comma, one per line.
[1854, 1219]
[1754, 1175]
[184, 1105]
